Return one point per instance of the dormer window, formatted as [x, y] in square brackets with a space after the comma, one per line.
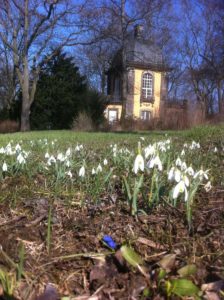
[147, 88]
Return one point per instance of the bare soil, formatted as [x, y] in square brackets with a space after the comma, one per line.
[93, 271]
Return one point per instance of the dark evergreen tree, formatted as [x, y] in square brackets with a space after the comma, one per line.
[59, 93]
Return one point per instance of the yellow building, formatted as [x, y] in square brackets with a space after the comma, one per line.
[146, 88]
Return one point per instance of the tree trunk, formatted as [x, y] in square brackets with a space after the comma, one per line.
[26, 103]
[220, 98]
[25, 112]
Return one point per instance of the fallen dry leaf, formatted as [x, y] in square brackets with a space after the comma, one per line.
[215, 286]
[150, 243]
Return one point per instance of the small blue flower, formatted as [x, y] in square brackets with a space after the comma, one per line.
[107, 239]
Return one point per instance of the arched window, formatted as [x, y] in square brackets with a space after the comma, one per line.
[147, 85]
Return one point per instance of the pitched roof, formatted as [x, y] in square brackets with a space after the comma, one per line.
[140, 53]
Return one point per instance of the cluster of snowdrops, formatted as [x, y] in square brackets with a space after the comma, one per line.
[147, 175]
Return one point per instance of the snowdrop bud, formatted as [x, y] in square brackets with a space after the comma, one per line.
[47, 155]
[4, 167]
[138, 164]
[2, 150]
[69, 173]
[189, 171]
[208, 186]
[183, 166]
[82, 172]
[99, 169]
[77, 148]
[178, 162]
[68, 152]
[105, 162]
[18, 148]
[182, 153]
[68, 164]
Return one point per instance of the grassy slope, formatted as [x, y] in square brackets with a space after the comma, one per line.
[202, 133]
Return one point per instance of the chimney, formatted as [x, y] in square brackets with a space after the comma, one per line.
[138, 31]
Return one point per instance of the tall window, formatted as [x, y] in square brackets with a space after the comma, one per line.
[145, 115]
[147, 85]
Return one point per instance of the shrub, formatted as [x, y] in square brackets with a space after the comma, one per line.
[83, 123]
[8, 126]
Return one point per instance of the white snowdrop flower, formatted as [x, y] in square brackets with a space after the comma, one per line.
[51, 160]
[105, 162]
[69, 173]
[201, 174]
[25, 153]
[177, 175]
[68, 152]
[9, 146]
[60, 157]
[21, 159]
[186, 180]
[8, 150]
[4, 167]
[185, 145]
[189, 171]
[138, 164]
[183, 166]
[198, 146]
[163, 148]
[149, 151]
[182, 153]
[99, 169]
[17, 147]
[178, 162]
[82, 172]
[179, 189]
[93, 171]
[155, 162]
[142, 138]
[171, 174]
[47, 155]
[81, 147]
[114, 148]
[52, 143]
[215, 150]
[2, 150]
[77, 148]
[208, 186]
[68, 164]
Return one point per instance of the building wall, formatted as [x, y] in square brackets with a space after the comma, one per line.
[138, 106]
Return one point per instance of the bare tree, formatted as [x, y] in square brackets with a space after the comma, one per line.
[29, 29]
[202, 48]
[8, 80]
